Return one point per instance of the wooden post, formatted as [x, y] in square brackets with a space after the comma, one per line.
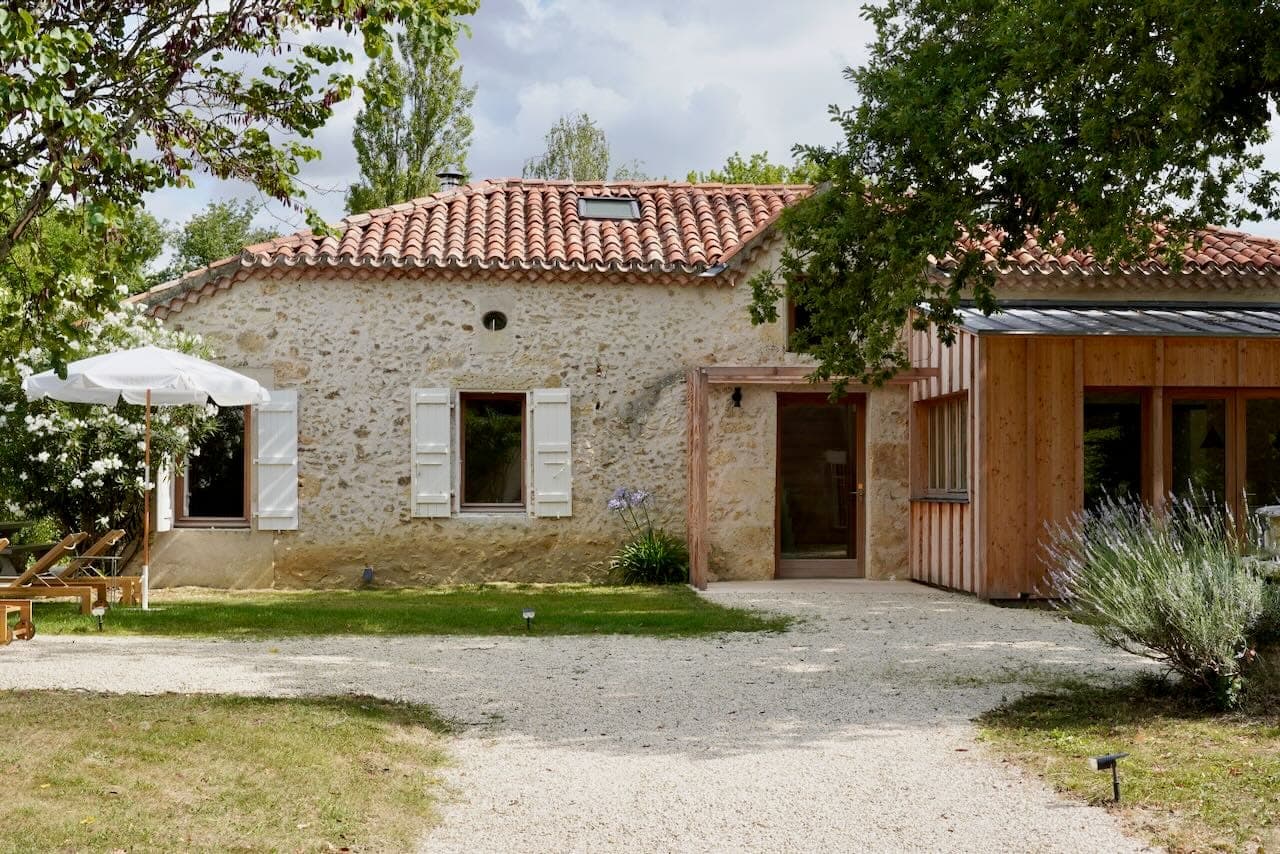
[696, 494]
[1156, 451]
[146, 507]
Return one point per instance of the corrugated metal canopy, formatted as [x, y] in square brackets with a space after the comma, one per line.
[1242, 321]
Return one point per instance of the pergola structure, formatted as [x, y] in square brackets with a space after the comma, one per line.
[699, 381]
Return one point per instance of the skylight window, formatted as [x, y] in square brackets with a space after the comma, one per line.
[604, 207]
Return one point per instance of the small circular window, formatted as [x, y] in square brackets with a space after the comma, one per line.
[494, 321]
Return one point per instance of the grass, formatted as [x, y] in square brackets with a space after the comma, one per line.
[213, 773]
[1195, 780]
[562, 609]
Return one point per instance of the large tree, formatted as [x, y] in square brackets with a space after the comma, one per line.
[102, 101]
[220, 230]
[578, 150]
[757, 169]
[416, 121]
[1104, 126]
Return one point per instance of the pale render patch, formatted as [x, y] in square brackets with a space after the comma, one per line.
[850, 732]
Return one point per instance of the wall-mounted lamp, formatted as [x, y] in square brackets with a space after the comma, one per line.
[1110, 761]
[736, 397]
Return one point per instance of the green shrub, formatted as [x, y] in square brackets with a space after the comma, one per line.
[1181, 588]
[650, 555]
[654, 557]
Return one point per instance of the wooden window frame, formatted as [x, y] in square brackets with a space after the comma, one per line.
[180, 517]
[465, 506]
[948, 414]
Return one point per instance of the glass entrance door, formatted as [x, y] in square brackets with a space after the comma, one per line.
[819, 486]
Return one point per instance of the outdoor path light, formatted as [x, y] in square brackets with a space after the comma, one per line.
[1112, 761]
[528, 619]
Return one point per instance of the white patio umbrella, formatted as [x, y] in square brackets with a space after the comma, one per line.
[147, 376]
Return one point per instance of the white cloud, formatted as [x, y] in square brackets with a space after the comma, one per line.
[677, 85]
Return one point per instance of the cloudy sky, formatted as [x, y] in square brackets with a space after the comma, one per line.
[676, 85]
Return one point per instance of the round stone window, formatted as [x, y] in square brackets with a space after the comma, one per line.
[494, 321]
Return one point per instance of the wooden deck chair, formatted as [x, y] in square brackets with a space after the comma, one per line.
[80, 569]
[26, 627]
[39, 583]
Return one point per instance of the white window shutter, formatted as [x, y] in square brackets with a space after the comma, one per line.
[164, 498]
[552, 453]
[276, 459]
[431, 473]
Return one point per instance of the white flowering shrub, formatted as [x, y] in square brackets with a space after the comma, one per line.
[81, 465]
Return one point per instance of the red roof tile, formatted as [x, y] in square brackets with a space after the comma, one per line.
[1214, 250]
[533, 227]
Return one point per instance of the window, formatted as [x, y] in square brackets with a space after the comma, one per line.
[1113, 446]
[492, 450]
[946, 425]
[214, 489]
[602, 207]
[797, 323]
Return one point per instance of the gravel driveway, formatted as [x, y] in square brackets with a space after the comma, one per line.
[848, 733]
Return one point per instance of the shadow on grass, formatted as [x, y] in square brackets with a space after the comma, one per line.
[1196, 778]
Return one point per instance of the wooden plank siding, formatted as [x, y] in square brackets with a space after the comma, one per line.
[1029, 433]
[943, 532]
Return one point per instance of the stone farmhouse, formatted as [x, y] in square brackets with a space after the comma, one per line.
[460, 382]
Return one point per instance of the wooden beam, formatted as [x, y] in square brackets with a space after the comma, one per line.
[696, 493]
[796, 374]
[1156, 450]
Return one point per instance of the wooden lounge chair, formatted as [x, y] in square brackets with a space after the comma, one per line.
[80, 569]
[26, 627]
[39, 583]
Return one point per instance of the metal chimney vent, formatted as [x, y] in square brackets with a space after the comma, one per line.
[451, 177]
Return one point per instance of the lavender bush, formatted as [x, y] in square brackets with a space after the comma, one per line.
[1181, 588]
[650, 555]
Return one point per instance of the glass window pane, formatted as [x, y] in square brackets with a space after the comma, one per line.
[1199, 449]
[215, 477]
[1262, 452]
[492, 442]
[816, 468]
[1113, 446]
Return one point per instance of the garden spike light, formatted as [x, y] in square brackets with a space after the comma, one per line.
[1111, 761]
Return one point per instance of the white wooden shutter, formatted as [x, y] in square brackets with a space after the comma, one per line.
[276, 459]
[431, 471]
[164, 498]
[552, 453]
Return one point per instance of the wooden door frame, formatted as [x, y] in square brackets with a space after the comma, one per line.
[818, 567]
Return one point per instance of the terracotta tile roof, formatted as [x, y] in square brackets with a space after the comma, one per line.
[523, 226]
[1215, 250]
[685, 232]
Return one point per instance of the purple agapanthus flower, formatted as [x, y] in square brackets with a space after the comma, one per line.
[637, 497]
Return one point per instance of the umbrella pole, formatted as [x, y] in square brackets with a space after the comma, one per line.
[146, 507]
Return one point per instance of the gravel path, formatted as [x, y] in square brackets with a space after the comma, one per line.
[849, 733]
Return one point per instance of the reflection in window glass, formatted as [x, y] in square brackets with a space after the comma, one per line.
[214, 478]
[492, 447]
[1199, 449]
[1112, 446]
[1262, 452]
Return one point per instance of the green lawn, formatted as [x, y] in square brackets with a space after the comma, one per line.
[1195, 780]
[93, 772]
[564, 609]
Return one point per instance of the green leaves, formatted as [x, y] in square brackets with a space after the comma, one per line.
[415, 122]
[1095, 122]
[578, 150]
[103, 102]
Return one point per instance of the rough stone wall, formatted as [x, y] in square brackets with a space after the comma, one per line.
[355, 347]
